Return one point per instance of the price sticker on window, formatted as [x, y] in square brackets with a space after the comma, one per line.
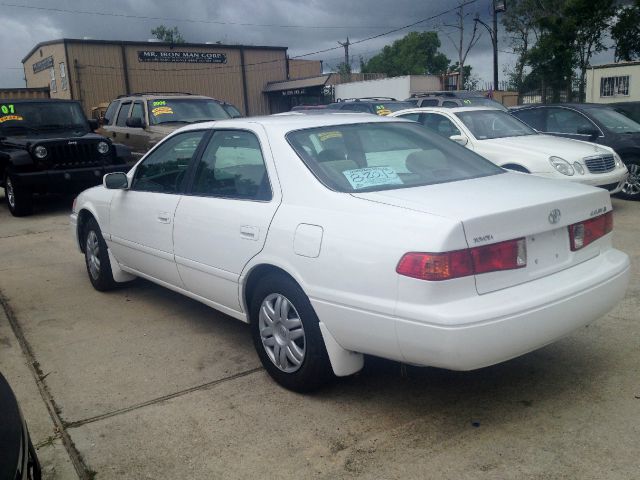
[7, 118]
[162, 111]
[372, 176]
[7, 109]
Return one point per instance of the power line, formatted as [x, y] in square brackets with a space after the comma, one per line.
[432, 17]
[186, 20]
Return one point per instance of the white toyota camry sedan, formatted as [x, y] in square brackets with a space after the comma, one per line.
[336, 236]
[510, 143]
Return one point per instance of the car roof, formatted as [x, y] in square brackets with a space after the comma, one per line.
[294, 121]
[164, 96]
[449, 109]
[36, 100]
[577, 106]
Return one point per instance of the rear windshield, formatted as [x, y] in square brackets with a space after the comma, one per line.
[382, 156]
[22, 118]
[488, 124]
[185, 111]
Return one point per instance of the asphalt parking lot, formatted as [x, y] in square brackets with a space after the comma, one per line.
[144, 383]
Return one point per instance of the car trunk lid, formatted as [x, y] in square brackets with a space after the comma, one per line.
[506, 207]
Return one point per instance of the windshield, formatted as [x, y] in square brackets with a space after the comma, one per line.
[488, 124]
[613, 121]
[185, 111]
[29, 117]
[382, 156]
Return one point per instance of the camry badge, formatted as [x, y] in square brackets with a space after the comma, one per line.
[554, 216]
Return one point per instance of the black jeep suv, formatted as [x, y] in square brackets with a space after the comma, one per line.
[48, 146]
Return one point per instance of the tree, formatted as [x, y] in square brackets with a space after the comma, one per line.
[170, 35]
[626, 32]
[520, 21]
[460, 47]
[344, 70]
[590, 20]
[415, 54]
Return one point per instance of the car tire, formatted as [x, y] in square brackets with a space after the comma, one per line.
[631, 188]
[19, 200]
[96, 257]
[292, 351]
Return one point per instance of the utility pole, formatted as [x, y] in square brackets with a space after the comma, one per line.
[497, 6]
[346, 52]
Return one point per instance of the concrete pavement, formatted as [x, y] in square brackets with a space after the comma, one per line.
[146, 383]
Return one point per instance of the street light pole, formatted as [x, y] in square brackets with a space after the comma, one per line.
[494, 42]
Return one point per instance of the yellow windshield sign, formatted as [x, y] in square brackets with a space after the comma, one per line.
[7, 118]
[162, 111]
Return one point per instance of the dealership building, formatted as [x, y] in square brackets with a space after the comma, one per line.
[256, 79]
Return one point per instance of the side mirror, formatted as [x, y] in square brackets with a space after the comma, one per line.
[461, 139]
[592, 132]
[135, 122]
[93, 124]
[115, 181]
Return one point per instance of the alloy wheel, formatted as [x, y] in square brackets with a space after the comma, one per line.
[632, 186]
[93, 252]
[282, 333]
[9, 191]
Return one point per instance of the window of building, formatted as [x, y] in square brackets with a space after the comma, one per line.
[613, 86]
[63, 76]
[52, 86]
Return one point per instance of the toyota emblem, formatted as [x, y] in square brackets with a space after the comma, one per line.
[554, 216]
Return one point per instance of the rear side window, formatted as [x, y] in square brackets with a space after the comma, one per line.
[164, 169]
[232, 166]
[123, 114]
[450, 104]
[137, 111]
[533, 117]
[111, 112]
[429, 102]
[383, 156]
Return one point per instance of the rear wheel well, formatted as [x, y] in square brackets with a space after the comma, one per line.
[256, 274]
[83, 218]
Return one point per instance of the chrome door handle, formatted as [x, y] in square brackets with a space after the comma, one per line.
[164, 217]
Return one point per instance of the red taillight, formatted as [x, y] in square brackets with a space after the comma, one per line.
[461, 263]
[583, 233]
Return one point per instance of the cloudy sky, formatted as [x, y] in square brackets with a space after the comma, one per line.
[302, 25]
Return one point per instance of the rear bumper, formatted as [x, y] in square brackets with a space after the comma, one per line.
[483, 330]
[66, 180]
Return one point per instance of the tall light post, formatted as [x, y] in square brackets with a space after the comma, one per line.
[497, 6]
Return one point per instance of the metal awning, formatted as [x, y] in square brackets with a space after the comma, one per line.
[301, 83]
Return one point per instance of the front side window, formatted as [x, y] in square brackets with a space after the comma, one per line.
[232, 166]
[489, 124]
[383, 156]
[180, 110]
[614, 121]
[164, 169]
[613, 86]
[137, 111]
[123, 114]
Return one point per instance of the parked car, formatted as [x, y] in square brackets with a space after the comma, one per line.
[628, 109]
[597, 123]
[141, 120]
[511, 144]
[18, 460]
[298, 108]
[48, 146]
[453, 99]
[335, 236]
[376, 105]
